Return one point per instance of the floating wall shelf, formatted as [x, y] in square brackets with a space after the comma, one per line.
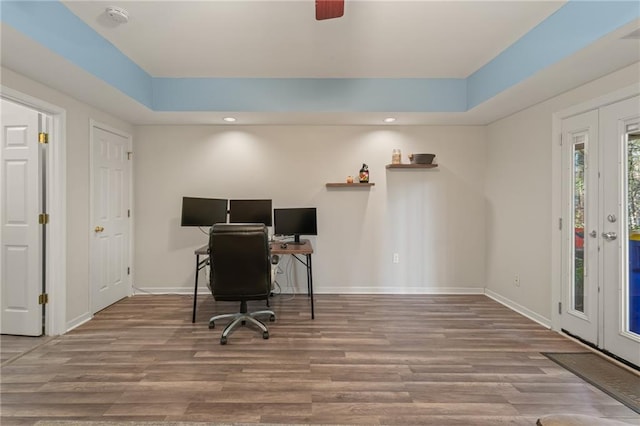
[411, 166]
[349, 185]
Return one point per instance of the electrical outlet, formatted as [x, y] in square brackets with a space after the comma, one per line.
[516, 280]
[396, 258]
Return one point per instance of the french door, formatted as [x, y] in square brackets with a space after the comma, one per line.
[601, 228]
[620, 129]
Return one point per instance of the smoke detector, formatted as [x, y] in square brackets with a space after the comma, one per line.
[117, 14]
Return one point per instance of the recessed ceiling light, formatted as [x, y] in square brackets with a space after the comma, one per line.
[389, 120]
[229, 119]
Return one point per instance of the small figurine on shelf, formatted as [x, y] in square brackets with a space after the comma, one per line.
[349, 179]
[364, 174]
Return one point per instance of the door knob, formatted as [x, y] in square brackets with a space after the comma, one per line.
[609, 236]
[593, 233]
[99, 229]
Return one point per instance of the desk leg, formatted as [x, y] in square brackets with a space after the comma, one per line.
[195, 289]
[310, 283]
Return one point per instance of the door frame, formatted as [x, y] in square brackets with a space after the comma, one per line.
[556, 187]
[56, 238]
[97, 124]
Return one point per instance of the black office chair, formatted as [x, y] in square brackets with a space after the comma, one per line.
[240, 271]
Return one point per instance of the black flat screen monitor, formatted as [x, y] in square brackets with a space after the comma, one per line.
[250, 211]
[203, 211]
[296, 222]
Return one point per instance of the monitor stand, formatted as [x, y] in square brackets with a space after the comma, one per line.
[296, 241]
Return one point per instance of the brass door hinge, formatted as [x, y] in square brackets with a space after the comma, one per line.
[43, 218]
[129, 155]
[43, 299]
[43, 137]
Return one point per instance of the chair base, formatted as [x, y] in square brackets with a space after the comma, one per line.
[242, 318]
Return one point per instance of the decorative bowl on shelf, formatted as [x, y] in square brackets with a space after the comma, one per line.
[421, 158]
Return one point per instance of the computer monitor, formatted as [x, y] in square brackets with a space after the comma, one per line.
[296, 222]
[250, 211]
[203, 211]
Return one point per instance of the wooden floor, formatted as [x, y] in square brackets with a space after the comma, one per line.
[384, 359]
[16, 346]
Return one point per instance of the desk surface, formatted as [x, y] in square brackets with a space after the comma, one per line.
[305, 248]
[276, 248]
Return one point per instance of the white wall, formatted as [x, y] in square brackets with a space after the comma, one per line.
[434, 219]
[519, 191]
[77, 190]
[483, 216]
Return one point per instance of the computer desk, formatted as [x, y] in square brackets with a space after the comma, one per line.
[305, 249]
[294, 250]
[201, 251]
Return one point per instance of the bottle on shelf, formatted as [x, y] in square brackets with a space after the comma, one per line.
[364, 174]
[396, 156]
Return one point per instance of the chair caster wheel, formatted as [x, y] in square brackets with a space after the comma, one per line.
[272, 318]
[212, 325]
[265, 334]
[223, 340]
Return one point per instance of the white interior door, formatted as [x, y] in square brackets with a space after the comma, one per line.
[580, 303]
[20, 233]
[620, 137]
[110, 217]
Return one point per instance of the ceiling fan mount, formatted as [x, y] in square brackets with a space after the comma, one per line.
[329, 9]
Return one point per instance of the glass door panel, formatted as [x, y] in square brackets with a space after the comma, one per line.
[577, 302]
[579, 308]
[632, 287]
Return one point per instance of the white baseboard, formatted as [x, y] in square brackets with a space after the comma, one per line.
[78, 321]
[545, 322]
[328, 290]
[398, 290]
[170, 290]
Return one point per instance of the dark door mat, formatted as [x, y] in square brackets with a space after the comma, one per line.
[610, 378]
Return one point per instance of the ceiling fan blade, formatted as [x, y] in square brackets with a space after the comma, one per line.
[329, 9]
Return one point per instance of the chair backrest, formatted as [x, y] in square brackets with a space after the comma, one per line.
[240, 263]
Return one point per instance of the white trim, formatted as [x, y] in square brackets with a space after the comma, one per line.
[187, 291]
[519, 308]
[56, 273]
[203, 290]
[556, 186]
[394, 289]
[97, 124]
[608, 99]
[78, 321]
